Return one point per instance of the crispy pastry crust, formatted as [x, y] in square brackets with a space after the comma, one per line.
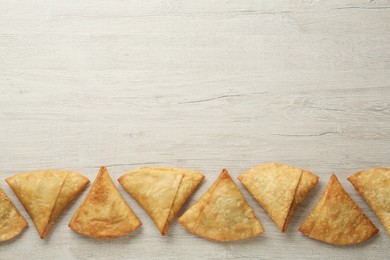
[45, 194]
[374, 186]
[11, 222]
[279, 189]
[337, 219]
[104, 213]
[222, 213]
[162, 192]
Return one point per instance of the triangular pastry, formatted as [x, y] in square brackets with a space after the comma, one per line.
[73, 185]
[11, 222]
[45, 194]
[222, 213]
[279, 189]
[374, 185]
[162, 192]
[337, 219]
[104, 213]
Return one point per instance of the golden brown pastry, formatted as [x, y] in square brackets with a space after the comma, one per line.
[162, 192]
[337, 219]
[222, 213]
[104, 213]
[374, 185]
[279, 189]
[11, 222]
[45, 194]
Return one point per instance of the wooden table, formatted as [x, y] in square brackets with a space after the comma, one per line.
[194, 84]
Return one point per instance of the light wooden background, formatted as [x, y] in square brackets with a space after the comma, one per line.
[194, 84]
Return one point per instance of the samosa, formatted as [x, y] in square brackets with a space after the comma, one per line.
[45, 194]
[337, 219]
[162, 192]
[104, 213]
[222, 214]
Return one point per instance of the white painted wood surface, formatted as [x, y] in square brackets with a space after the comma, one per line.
[194, 84]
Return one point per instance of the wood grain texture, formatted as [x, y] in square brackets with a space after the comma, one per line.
[194, 84]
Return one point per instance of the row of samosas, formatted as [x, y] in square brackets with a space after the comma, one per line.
[221, 214]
